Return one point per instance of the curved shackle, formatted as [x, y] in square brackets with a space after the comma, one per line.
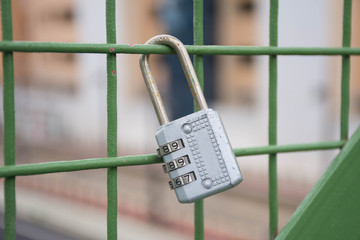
[189, 71]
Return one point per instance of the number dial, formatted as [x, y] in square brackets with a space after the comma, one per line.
[182, 180]
[175, 164]
[170, 147]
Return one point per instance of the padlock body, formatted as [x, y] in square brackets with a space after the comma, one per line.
[198, 156]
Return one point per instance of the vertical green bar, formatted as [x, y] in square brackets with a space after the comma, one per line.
[199, 69]
[111, 121]
[273, 201]
[9, 123]
[199, 39]
[345, 73]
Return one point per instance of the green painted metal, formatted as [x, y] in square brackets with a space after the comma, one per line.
[331, 210]
[272, 149]
[273, 188]
[199, 70]
[345, 73]
[126, 161]
[59, 47]
[9, 123]
[111, 121]
[77, 165]
[199, 220]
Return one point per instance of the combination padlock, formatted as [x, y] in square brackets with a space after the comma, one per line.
[195, 148]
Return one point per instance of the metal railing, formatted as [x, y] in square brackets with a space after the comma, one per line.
[10, 170]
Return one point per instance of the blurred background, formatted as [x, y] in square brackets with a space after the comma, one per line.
[61, 113]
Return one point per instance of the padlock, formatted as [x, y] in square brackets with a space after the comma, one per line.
[195, 148]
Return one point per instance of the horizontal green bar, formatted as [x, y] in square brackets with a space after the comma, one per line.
[96, 163]
[288, 148]
[77, 165]
[155, 49]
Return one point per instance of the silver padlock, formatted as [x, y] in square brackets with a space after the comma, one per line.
[195, 148]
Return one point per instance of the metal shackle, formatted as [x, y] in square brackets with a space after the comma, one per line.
[189, 71]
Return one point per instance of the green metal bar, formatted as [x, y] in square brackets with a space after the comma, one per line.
[9, 123]
[345, 73]
[77, 165]
[199, 220]
[111, 121]
[60, 47]
[273, 189]
[273, 149]
[125, 161]
[331, 210]
[199, 69]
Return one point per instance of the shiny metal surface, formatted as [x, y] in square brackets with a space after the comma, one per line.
[189, 71]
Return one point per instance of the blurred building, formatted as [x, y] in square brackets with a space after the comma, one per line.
[236, 24]
[45, 82]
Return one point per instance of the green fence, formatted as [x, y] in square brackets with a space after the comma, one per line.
[11, 170]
